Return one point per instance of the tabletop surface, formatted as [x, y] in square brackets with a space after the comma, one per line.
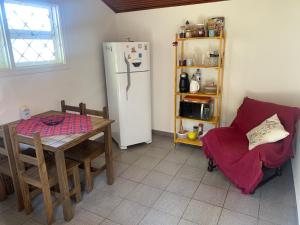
[64, 142]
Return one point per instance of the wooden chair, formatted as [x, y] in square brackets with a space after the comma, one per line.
[89, 150]
[42, 175]
[69, 108]
[8, 163]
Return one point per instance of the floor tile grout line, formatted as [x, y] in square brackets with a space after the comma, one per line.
[182, 216]
[259, 205]
[223, 206]
[162, 191]
[190, 199]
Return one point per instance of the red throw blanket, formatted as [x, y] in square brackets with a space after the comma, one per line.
[228, 147]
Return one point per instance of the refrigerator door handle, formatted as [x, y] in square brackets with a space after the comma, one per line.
[128, 75]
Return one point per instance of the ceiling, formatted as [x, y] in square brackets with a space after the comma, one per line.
[119, 6]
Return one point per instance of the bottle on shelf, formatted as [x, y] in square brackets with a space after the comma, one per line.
[198, 77]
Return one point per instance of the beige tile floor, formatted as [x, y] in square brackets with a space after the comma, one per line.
[158, 184]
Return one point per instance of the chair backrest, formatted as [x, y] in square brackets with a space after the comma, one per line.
[37, 159]
[86, 111]
[3, 150]
[69, 108]
[5, 142]
[253, 112]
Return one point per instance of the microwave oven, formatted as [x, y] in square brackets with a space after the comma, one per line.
[202, 111]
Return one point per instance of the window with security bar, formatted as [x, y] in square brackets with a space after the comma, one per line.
[30, 34]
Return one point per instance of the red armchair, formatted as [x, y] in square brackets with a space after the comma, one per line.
[227, 148]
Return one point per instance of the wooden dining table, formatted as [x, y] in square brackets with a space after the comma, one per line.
[59, 144]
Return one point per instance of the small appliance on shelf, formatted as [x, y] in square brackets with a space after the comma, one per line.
[196, 107]
[184, 83]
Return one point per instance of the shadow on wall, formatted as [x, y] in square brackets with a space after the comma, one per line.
[283, 98]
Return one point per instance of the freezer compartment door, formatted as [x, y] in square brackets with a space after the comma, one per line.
[136, 53]
[135, 109]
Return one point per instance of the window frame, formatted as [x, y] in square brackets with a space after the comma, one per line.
[47, 66]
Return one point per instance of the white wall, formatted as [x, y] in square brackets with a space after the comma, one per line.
[262, 53]
[85, 25]
[296, 171]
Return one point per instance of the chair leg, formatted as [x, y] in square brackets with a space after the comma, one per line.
[88, 176]
[26, 197]
[48, 204]
[211, 165]
[77, 187]
[278, 172]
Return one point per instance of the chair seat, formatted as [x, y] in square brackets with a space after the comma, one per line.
[32, 174]
[4, 167]
[87, 150]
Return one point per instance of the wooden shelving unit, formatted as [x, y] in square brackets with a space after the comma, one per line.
[198, 67]
[179, 53]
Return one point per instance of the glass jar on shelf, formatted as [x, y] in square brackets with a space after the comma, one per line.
[213, 58]
[199, 30]
[188, 33]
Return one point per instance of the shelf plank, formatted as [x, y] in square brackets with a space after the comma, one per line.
[198, 38]
[198, 67]
[214, 120]
[197, 94]
[189, 142]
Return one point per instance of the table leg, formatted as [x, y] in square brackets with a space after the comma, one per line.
[108, 156]
[64, 185]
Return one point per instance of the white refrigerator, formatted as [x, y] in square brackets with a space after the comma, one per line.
[128, 83]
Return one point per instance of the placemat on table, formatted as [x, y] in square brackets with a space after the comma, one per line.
[72, 124]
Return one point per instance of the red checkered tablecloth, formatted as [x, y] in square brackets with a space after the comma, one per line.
[72, 124]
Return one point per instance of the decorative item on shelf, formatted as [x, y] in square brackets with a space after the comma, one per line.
[196, 129]
[188, 33]
[182, 133]
[220, 24]
[188, 30]
[182, 32]
[203, 59]
[198, 77]
[199, 30]
[187, 25]
[210, 88]
[182, 62]
[211, 33]
[196, 99]
[215, 26]
[201, 127]
[189, 62]
[192, 135]
[184, 83]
